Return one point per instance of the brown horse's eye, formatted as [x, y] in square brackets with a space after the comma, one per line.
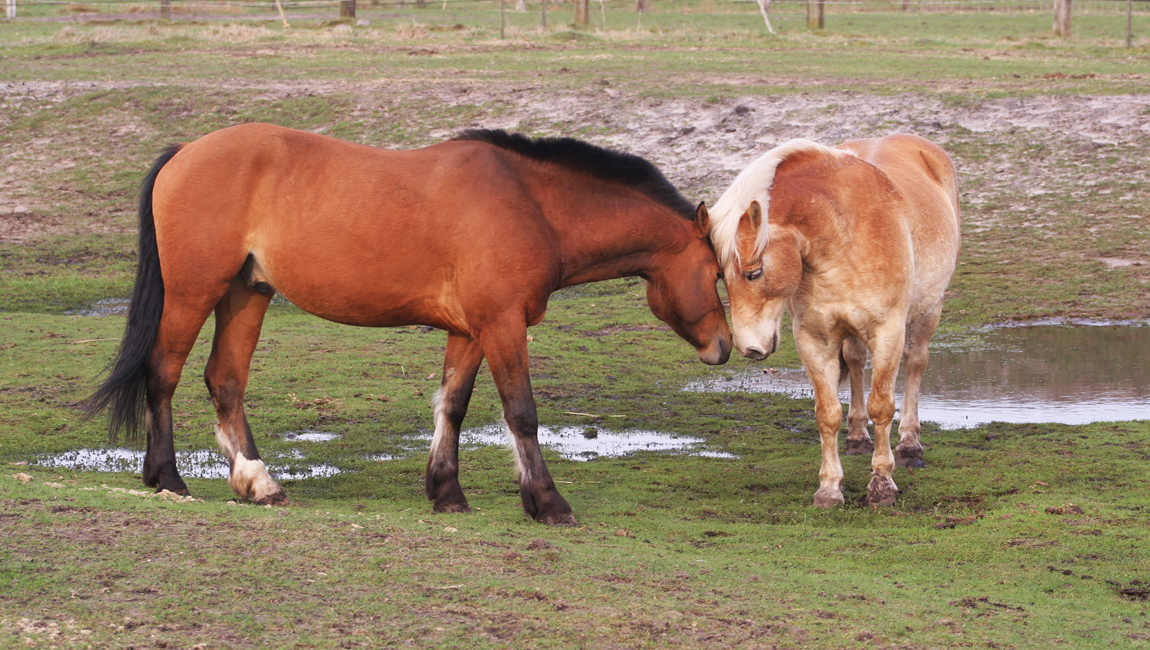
[719, 275]
[755, 275]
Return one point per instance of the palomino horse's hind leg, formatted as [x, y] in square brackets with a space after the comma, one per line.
[460, 365]
[908, 452]
[239, 316]
[821, 359]
[179, 327]
[505, 346]
[886, 346]
[858, 440]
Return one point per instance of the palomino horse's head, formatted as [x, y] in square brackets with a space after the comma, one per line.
[760, 282]
[681, 292]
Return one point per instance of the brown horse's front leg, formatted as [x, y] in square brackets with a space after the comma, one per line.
[506, 350]
[460, 365]
[821, 359]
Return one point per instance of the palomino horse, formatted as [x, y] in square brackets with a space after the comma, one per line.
[859, 242]
[470, 236]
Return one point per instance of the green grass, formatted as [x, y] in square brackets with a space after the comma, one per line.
[672, 549]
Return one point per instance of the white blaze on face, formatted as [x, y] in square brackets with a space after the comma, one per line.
[756, 327]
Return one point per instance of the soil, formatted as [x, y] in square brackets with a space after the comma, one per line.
[1027, 164]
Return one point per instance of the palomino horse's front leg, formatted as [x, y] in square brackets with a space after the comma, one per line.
[858, 440]
[886, 347]
[460, 365]
[908, 452]
[821, 359]
[505, 345]
[239, 317]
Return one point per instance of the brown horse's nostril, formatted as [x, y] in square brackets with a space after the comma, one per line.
[774, 344]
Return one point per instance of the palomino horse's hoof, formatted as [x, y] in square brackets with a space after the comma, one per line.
[858, 447]
[881, 492]
[828, 499]
[910, 458]
[558, 519]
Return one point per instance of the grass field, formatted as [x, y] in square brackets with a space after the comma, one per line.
[1014, 536]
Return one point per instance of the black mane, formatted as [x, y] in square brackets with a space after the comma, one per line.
[604, 164]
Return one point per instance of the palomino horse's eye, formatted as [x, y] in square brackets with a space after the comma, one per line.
[755, 275]
[719, 275]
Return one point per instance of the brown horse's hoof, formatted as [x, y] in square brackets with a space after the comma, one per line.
[558, 519]
[274, 499]
[909, 457]
[881, 492]
[183, 491]
[858, 447]
[451, 507]
[828, 499]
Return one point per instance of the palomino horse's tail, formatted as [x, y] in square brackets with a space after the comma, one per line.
[124, 391]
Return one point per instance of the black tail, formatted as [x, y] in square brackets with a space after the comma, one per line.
[124, 391]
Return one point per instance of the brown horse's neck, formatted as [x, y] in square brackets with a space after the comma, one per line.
[615, 235]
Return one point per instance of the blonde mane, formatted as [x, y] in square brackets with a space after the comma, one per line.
[753, 184]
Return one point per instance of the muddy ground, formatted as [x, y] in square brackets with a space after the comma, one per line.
[1060, 176]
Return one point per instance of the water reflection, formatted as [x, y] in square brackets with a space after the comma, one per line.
[201, 463]
[1028, 373]
[584, 443]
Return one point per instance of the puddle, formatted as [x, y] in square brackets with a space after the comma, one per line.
[309, 435]
[584, 443]
[106, 307]
[1070, 372]
[192, 464]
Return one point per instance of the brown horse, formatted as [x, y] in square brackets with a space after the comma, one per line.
[859, 243]
[470, 236]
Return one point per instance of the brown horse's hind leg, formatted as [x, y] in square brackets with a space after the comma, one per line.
[506, 351]
[179, 327]
[908, 452]
[460, 365]
[239, 316]
[858, 440]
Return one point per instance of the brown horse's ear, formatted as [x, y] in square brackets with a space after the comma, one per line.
[755, 212]
[703, 218]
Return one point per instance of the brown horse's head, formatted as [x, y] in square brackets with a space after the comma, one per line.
[681, 292]
[760, 282]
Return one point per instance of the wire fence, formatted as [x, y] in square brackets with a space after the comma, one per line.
[779, 9]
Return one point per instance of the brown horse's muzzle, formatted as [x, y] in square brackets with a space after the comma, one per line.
[717, 352]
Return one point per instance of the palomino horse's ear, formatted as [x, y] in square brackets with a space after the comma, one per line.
[703, 218]
[755, 212]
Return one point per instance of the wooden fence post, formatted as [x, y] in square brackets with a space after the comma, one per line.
[815, 14]
[1129, 30]
[166, 9]
[545, 14]
[582, 12]
[11, 9]
[502, 19]
[347, 8]
[1062, 17]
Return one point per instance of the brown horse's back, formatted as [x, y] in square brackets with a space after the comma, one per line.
[291, 200]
